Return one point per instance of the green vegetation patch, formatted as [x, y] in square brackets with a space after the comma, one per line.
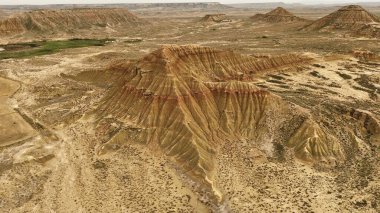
[30, 49]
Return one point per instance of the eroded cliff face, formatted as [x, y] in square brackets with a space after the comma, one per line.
[367, 125]
[352, 18]
[48, 21]
[369, 30]
[312, 143]
[185, 101]
[277, 15]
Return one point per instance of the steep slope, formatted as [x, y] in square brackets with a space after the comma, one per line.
[47, 21]
[188, 100]
[309, 142]
[367, 125]
[217, 18]
[277, 15]
[352, 18]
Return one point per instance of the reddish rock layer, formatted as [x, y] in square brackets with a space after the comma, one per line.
[187, 100]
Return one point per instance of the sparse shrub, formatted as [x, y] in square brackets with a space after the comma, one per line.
[319, 66]
[279, 151]
[344, 76]
[317, 74]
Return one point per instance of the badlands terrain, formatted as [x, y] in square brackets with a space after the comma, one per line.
[197, 107]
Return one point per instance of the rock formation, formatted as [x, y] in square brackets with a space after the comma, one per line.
[188, 100]
[368, 30]
[352, 18]
[277, 15]
[366, 55]
[310, 142]
[368, 125]
[217, 18]
[66, 20]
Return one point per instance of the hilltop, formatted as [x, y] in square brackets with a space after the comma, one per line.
[277, 15]
[353, 18]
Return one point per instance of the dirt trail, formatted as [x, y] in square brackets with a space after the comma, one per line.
[13, 128]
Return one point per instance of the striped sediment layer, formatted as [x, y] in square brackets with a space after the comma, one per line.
[65, 20]
[352, 18]
[188, 100]
[277, 15]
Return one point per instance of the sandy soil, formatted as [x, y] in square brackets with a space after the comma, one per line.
[13, 128]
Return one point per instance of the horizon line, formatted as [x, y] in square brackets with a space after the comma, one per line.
[278, 2]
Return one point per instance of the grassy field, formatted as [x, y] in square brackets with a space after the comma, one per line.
[24, 50]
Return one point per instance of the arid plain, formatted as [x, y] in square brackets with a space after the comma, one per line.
[197, 107]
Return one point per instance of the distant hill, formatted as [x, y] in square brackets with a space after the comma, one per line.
[277, 15]
[265, 5]
[215, 18]
[50, 21]
[269, 5]
[353, 18]
[130, 6]
[178, 6]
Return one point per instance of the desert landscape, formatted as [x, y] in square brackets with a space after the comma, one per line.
[190, 107]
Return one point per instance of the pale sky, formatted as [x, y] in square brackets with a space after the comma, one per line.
[14, 2]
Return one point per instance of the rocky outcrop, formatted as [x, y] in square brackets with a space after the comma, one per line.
[215, 18]
[188, 100]
[48, 21]
[366, 55]
[352, 18]
[368, 125]
[277, 15]
[368, 30]
[310, 142]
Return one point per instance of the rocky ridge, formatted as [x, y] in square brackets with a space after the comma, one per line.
[67, 20]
